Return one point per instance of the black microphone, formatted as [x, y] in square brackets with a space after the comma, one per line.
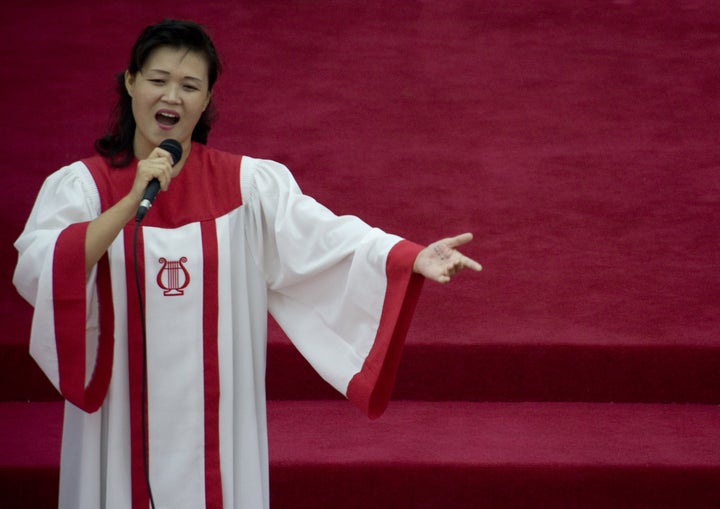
[153, 187]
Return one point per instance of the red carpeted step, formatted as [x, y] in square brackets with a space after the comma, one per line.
[29, 454]
[449, 370]
[20, 378]
[325, 454]
[495, 455]
[529, 371]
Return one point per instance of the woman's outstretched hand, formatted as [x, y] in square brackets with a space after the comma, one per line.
[440, 260]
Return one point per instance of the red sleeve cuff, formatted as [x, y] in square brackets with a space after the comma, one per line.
[371, 388]
[70, 314]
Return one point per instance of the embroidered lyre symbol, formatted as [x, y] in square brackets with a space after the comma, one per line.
[173, 277]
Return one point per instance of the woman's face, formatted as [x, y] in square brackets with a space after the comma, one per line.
[169, 94]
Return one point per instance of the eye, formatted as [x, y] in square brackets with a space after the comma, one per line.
[157, 81]
[191, 88]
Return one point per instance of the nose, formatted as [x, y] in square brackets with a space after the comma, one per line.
[172, 95]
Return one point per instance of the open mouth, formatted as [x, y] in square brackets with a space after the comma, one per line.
[167, 118]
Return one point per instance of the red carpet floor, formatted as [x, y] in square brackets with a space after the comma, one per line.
[577, 139]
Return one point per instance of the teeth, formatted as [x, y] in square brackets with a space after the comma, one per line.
[167, 118]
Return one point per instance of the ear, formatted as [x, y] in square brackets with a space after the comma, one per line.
[207, 100]
[129, 83]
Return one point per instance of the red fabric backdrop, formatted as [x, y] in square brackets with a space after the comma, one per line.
[577, 140]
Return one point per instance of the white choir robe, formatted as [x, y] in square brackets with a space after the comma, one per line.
[232, 238]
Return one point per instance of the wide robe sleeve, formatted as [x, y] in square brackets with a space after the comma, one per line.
[50, 275]
[342, 291]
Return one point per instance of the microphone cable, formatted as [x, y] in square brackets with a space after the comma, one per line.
[175, 149]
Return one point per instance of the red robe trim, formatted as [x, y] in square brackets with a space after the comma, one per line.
[70, 307]
[371, 388]
[213, 482]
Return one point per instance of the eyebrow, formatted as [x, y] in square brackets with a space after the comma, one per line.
[167, 73]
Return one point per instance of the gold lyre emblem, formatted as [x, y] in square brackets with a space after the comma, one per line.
[173, 277]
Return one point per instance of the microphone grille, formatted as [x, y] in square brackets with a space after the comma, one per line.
[174, 147]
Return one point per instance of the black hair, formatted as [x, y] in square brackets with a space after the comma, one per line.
[117, 144]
